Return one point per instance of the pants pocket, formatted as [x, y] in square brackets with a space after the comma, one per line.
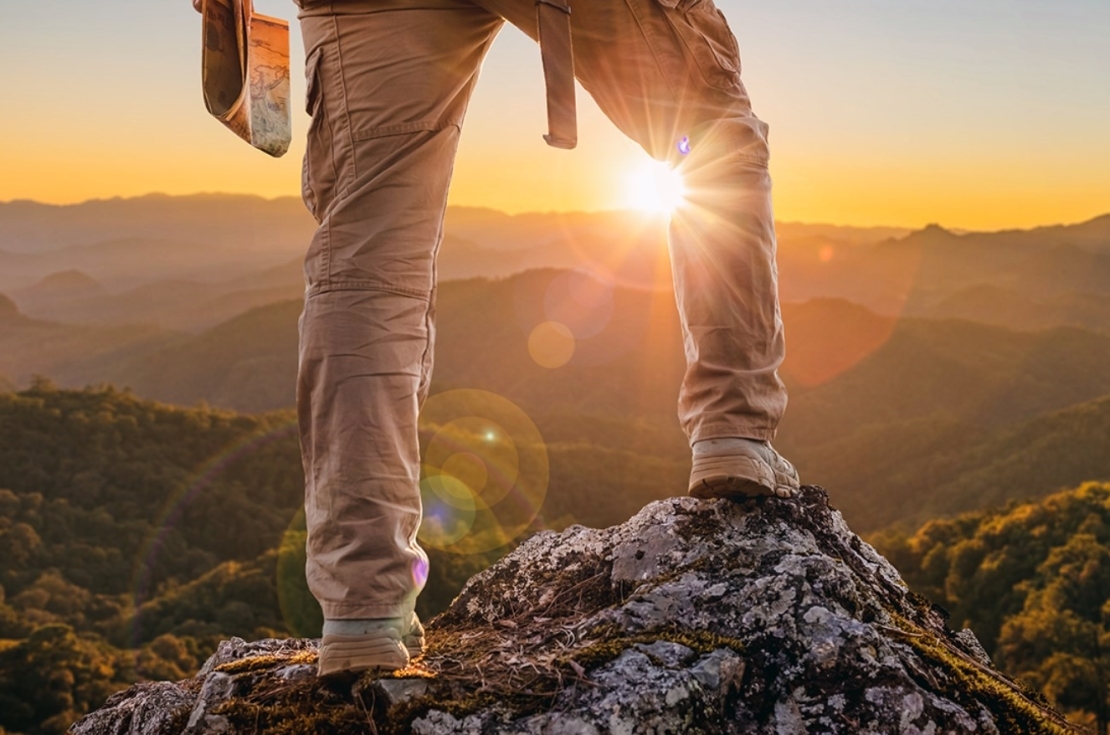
[314, 107]
[706, 35]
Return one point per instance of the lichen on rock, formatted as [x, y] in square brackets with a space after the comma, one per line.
[761, 617]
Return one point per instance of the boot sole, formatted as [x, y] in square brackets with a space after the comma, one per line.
[357, 654]
[716, 487]
[730, 476]
[735, 477]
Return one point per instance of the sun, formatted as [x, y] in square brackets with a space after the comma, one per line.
[654, 187]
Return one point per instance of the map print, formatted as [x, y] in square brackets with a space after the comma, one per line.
[246, 73]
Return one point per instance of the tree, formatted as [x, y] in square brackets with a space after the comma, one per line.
[1060, 641]
[52, 678]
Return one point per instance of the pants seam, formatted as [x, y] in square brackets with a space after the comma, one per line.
[654, 53]
[359, 610]
[733, 430]
[401, 128]
[340, 185]
[325, 250]
[365, 286]
[753, 160]
[425, 371]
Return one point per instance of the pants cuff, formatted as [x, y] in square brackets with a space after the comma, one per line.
[732, 431]
[365, 610]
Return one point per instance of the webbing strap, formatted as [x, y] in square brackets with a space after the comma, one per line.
[553, 21]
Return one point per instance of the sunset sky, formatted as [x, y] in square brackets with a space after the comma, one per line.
[984, 115]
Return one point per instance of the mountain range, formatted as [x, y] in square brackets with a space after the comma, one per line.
[915, 359]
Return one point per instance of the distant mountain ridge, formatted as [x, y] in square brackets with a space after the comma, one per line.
[905, 349]
[30, 347]
[877, 405]
[242, 222]
[223, 242]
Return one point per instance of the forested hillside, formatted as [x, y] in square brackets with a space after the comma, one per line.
[895, 417]
[107, 506]
[1033, 582]
[134, 536]
[902, 419]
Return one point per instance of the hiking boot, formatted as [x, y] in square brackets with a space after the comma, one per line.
[414, 638]
[739, 469]
[381, 646]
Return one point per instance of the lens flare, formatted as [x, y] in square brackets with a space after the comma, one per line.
[470, 470]
[449, 511]
[551, 345]
[581, 301]
[420, 573]
[177, 504]
[485, 471]
[299, 609]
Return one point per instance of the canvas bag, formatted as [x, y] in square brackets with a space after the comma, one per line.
[245, 73]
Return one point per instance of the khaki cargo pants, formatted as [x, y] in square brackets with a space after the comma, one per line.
[388, 86]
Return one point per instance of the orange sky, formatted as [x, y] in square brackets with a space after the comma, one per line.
[981, 117]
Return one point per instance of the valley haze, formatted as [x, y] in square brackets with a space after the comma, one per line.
[909, 352]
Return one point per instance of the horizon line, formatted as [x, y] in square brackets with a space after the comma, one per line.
[552, 212]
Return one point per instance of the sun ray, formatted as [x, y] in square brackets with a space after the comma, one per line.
[654, 187]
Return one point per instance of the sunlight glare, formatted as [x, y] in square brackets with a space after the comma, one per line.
[654, 187]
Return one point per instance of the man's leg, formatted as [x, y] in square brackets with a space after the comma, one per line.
[388, 87]
[667, 72]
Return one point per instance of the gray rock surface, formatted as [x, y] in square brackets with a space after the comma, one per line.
[762, 617]
[154, 707]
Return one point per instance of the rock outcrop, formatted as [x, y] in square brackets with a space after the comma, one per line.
[766, 616]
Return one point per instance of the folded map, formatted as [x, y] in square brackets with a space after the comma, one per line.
[245, 64]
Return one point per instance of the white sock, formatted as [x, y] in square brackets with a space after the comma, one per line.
[362, 626]
[723, 445]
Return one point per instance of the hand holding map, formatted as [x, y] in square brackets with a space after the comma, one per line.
[245, 63]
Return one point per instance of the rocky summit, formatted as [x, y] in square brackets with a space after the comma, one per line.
[764, 617]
